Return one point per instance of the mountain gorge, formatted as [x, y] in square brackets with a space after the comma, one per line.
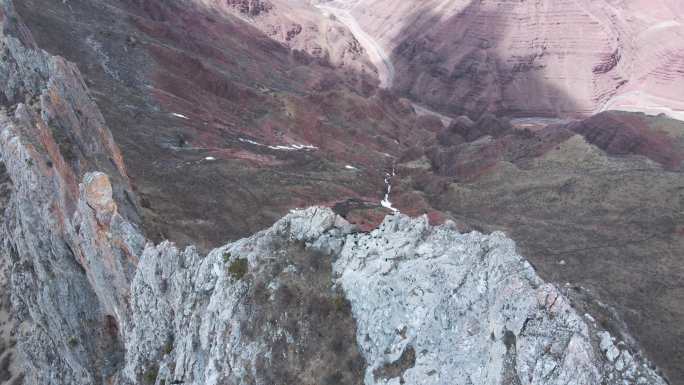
[158, 159]
[534, 58]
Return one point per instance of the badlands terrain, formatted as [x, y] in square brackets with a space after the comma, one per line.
[341, 192]
[567, 58]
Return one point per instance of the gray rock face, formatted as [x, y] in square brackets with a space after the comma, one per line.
[9, 367]
[70, 253]
[260, 310]
[431, 306]
[467, 309]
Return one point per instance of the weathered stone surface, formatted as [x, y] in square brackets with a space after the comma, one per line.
[9, 367]
[70, 262]
[69, 272]
[431, 306]
[471, 311]
[281, 321]
[98, 195]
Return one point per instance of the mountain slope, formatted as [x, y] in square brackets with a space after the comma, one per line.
[180, 84]
[568, 58]
[98, 303]
[180, 123]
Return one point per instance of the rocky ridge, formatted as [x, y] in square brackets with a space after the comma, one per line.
[430, 306]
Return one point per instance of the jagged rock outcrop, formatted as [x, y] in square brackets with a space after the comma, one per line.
[10, 371]
[260, 310]
[436, 306]
[429, 305]
[69, 249]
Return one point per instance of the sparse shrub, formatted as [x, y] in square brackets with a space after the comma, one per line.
[168, 346]
[4, 367]
[238, 268]
[150, 375]
[339, 302]
[509, 339]
[226, 256]
[73, 341]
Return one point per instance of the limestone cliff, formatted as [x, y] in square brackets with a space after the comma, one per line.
[70, 252]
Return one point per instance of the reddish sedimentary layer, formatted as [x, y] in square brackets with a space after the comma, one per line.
[534, 58]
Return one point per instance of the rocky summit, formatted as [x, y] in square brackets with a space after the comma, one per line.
[273, 192]
[311, 301]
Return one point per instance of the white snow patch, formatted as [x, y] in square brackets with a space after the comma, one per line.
[350, 167]
[180, 115]
[590, 318]
[243, 140]
[291, 147]
[386, 201]
[294, 147]
[210, 158]
[387, 204]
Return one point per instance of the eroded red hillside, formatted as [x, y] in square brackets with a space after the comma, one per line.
[533, 57]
